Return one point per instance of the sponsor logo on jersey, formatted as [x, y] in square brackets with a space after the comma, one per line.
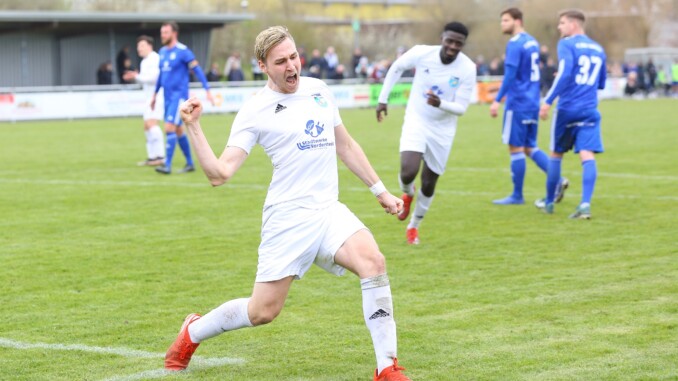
[279, 108]
[314, 129]
[312, 126]
[314, 144]
[453, 82]
[322, 102]
[173, 55]
[435, 90]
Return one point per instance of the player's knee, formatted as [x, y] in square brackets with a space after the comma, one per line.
[428, 187]
[373, 263]
[265, 315]
[407, 175]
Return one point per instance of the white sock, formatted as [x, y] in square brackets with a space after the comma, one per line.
[421, 207]
[406, 188]
[229, 316]
[149, 144]
[378, 311]
[157, 142]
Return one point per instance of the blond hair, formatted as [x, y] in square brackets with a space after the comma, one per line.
[268, 39]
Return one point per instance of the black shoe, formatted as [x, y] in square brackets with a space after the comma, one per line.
[186, 169]
[163, 169]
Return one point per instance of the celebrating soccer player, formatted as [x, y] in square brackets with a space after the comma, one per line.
[175, 62]
[441, 90]
[148, 76]
[521, 114]
[297, 122]
[576, 122]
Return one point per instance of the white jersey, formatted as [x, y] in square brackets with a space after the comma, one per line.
[297, 132]
[149, 70]
[453, 82]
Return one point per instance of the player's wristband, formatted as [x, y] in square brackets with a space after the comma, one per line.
[378, 189]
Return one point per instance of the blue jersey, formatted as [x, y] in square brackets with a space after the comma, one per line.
[521, 74]
[581, 72]
[174, 71]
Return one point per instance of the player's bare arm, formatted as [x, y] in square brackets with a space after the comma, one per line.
[544, 111]
[192, 65]
[130, 75]
[494, 109]
[217, 170]
[351, 154]
[381, 108]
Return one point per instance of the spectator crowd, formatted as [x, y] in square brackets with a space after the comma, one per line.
[642, 79]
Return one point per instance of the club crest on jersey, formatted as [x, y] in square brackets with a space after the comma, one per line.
[319, 100]
[314, 129]
[453, 82]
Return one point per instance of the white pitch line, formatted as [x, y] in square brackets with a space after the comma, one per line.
[145, 375]
[124, 352]
[197, 361]
[264, 187]
[536, 195]
[123, 183]
[636, 176]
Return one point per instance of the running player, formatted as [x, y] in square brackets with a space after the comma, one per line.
[148, 76]
[297, 122]
[176, 60]
[576, 122]
[521, 115]
[441, 91]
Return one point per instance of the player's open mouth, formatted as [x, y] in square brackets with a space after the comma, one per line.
[291, 79]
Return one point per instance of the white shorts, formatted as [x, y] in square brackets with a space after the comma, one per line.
[416, 137]
[158, 112]
[293, 238]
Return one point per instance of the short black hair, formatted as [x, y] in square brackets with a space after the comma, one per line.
[456, 26]
[146, 38]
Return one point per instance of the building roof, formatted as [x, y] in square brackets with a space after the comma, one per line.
[11, 21]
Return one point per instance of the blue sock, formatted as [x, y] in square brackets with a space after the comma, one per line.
[540, 158]
[186, 149]
[552, 178]
[169, 148]
[590, 172]
[518, 173]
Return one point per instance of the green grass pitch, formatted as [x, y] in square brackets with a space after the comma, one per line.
[97, 252]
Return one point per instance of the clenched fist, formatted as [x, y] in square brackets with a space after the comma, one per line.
[191, 110]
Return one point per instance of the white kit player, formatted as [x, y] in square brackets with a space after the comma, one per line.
[297, 122]
[443, 83]
[148, 76]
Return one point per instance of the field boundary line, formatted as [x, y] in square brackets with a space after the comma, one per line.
[264, 187]
[198, 362]
[636, 176]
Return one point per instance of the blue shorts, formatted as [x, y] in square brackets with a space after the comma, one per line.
[578, 129]
[172, 110]
[520, 128]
